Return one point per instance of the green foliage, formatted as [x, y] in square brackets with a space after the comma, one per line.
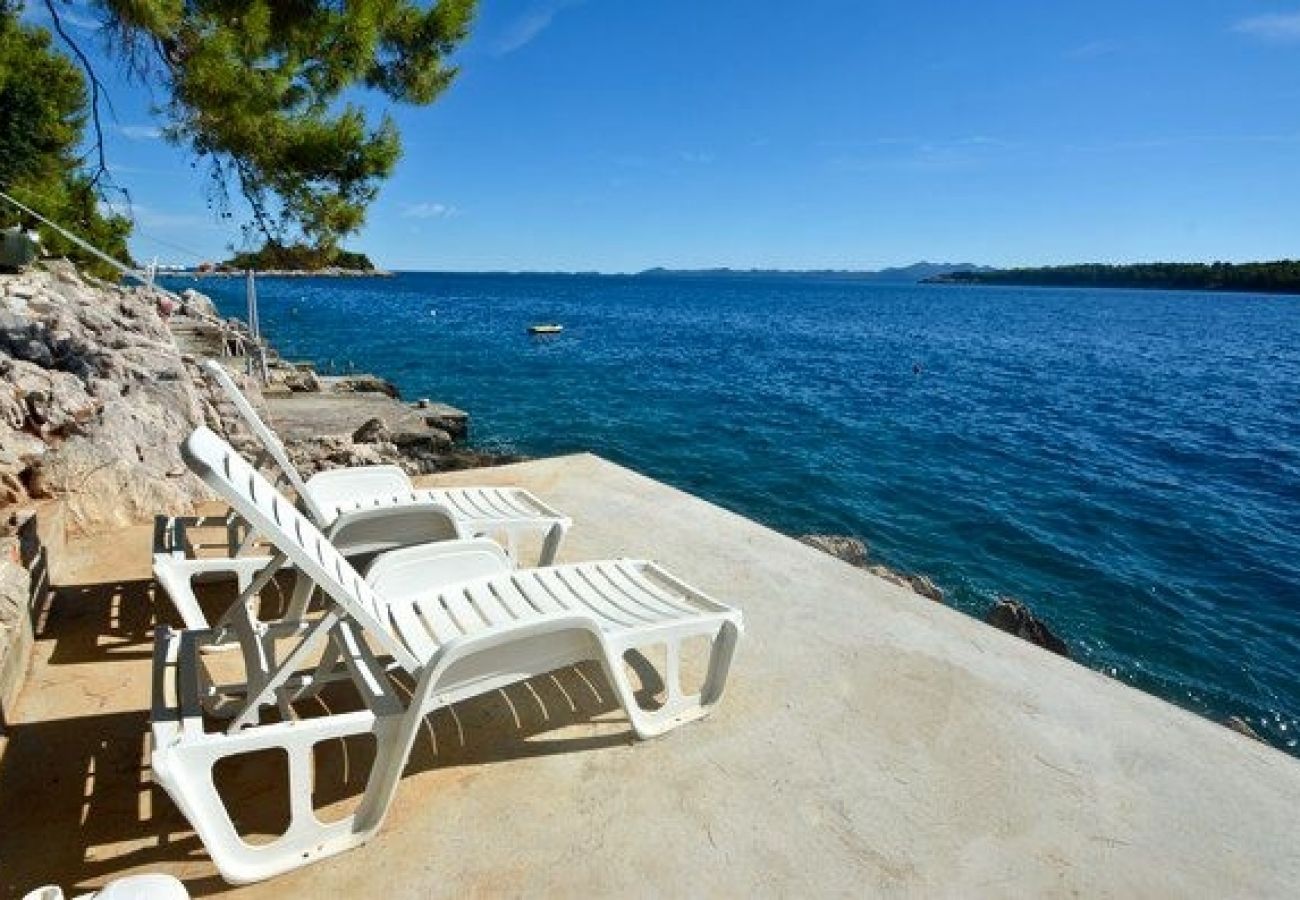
[263, 88]
[298, 258]
[350, 259]
[1280, 276]
[42, 115]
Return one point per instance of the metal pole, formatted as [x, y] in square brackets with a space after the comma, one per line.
[250, 294]
[257, 357]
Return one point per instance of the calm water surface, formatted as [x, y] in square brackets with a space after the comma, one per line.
[1127, 462]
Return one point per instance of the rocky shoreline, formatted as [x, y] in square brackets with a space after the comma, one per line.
[1007, 613]
[95, 399]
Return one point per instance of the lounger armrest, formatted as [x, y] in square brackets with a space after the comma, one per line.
[421, 569]
[515, 632]
[346, 487]
[505, 654]
[378, 529]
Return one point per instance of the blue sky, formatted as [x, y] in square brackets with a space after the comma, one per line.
[615, 135]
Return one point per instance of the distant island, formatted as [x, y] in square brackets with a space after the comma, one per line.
[913, 273]
[297, 259]
[1278, 277]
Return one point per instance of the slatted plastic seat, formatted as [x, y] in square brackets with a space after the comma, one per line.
[455, 616]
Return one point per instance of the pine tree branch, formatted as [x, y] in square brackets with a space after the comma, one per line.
[96, 90]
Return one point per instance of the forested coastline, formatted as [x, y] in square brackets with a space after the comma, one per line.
[1276, 277]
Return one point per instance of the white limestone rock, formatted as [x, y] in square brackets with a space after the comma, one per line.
[94, 401]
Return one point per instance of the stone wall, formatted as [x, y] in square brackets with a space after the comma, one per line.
[25, 565]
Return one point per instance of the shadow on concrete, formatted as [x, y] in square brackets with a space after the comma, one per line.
[80, 806]
[78, 800]
[87, 623]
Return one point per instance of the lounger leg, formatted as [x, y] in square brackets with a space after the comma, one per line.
[678, 708]
[300, 600]
[551, 546]
[186, 755]
[559, 641]
[185, 762]
[234, 536]
[186, 771]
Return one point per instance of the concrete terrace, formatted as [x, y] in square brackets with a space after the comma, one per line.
[870, 742]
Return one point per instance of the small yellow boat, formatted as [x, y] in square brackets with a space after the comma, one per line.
[545, 329]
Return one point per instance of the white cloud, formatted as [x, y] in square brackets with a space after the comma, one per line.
[1185, 140]
[428, 211]
[918, 153]
[1280, 27]
[141, 132]
[1093, 50]
[697, 157]
[525, 29]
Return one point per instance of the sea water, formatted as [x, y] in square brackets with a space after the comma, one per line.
[1127, 463]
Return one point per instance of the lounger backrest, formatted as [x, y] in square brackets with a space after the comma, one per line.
[218, 373]
[263, 507]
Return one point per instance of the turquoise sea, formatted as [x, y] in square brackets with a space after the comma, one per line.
[1128, 463]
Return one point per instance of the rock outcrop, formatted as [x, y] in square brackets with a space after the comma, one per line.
[854, 552]
[1014, 617]
[94, 400]
[363, 384]
[918, 584]
[372, 431]
[1008, 614]
[302, 381]
[850, 549]
[415, 452]
[1242, 727]
[196, 305]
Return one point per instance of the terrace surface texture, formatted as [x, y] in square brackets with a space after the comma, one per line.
[870, 742]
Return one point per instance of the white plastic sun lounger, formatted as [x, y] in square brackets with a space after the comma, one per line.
[335, 496]
[455, 641]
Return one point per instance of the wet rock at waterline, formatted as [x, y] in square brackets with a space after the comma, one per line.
[1242, 727]
[854, 552]
[850, 549]
[1014, 617]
